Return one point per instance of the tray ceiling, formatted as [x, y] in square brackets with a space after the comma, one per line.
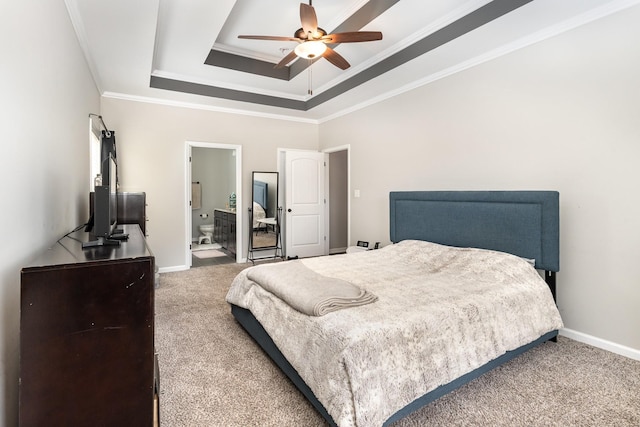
[188, 53]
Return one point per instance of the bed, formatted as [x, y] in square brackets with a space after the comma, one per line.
[258, 214]
[260, 198]
[373, 364]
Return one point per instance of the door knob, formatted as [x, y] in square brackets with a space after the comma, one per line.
[289, 210]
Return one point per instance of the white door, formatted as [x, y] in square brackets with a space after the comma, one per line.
[305, 204]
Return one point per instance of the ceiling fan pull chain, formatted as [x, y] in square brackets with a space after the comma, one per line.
[310, 90]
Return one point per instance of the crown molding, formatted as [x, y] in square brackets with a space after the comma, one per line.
[196, 106]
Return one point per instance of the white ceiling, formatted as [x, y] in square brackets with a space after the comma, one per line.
[134, 45]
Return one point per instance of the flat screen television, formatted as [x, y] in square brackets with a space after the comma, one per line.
[106, 202]
[105, 207]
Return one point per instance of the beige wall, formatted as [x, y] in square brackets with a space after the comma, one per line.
[151, 151]
[46, 96]
[562, 114]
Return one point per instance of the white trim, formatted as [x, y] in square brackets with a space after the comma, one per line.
[194, 106]
[260, 56]
[172, 269]
[327, 203]
[187, 203]
[620, 349]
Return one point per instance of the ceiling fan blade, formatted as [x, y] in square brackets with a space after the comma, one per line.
[336, 59]
[288, 58]
[276, 38]
[308, 19]
[353, 37]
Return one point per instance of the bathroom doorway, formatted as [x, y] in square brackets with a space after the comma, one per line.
[213, 187]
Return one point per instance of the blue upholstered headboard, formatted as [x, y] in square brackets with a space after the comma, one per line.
[523, 223]
[260, 193]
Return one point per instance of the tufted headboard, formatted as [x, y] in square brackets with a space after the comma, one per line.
[523, 223]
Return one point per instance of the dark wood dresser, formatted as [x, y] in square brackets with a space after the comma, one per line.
[87, 335]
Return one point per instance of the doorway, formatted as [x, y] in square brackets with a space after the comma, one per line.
[332, 191]
[214, 232]
[339, 201]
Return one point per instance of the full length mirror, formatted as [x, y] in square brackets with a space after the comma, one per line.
[265, 210]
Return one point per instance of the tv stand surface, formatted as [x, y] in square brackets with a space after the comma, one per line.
[113, 240]
[119, 236]
[87, 334]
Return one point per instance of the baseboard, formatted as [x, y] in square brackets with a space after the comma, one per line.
[620, 349]
[172, 269]
[334, 251]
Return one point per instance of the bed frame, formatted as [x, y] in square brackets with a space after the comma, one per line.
[524, 223]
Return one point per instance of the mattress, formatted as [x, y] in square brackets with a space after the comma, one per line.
[441, 313]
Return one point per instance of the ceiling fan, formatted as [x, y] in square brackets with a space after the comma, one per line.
[313, 40]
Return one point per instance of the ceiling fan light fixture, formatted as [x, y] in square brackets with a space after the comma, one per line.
[310, 49]
[312, 39]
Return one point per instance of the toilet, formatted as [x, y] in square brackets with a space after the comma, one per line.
[207, 234]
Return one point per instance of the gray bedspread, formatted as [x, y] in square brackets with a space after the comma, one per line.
[441, 312]
[307, 291]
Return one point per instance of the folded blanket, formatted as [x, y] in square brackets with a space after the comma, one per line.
[307, 291]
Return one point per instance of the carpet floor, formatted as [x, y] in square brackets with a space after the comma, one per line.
[213, 374]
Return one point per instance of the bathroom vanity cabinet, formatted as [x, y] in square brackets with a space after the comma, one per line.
[87, 335]
[224, 229]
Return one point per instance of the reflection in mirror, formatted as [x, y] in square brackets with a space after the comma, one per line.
[265, 210]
